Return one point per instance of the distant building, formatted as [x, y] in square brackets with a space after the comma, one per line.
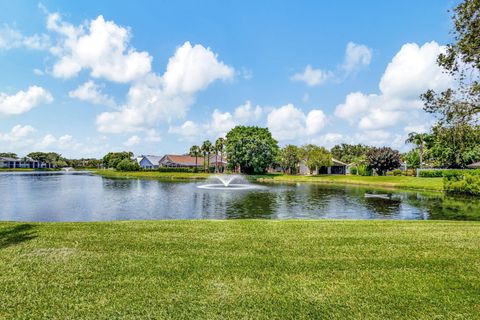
[338, 167]
[23, 163]
[475, 165]
[148, 161]
[187, 161]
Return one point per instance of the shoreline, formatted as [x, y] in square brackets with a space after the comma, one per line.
[385, 182]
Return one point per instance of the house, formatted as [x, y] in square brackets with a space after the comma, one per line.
[148, 161]
[24, 163]
[475, 165]
[338, 167]
[187, 161]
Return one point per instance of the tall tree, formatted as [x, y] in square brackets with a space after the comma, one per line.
[349, 153]
[207, 149]
[250, 148]
[418, 139]
[112, 159]
[8, 155]
[461, 103]
[290, 157]
[195, 151]
[455, 146]
[383, 159]
[219, 148]
[316, 157]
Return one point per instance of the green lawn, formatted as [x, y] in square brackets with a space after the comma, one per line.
[153, 175]
[241, 269]
[435, 184]
[385, 181]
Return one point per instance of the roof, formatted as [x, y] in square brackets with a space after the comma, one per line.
[338, 162]
[154, 160]
[474, 165]
[8, 159]
[218, 159]
[185, 160]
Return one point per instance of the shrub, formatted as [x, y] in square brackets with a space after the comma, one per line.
[127, 165]
[364, 170]
[174, 169]
[397, 172]
[462, 181]
[431, 173]
[353, 170]
[443, 173]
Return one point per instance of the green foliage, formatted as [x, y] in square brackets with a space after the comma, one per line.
[462, 182]
[397, 172]
[364, 170]
[460, 104]
[290, 157]
[52, 158]
[412, 158]
[8, 155]
[251, 148]
[171, 169]
[456, 146]
[316, 157]
[431, 173]
[383, 159]
[112, 159]
[349, 153]
[353, 170]
[84, 163]
[127, 165]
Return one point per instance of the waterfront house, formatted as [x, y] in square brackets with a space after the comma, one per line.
[475, 165]
[148, 161]
[187, 161]
[338, 167]
[23, 163]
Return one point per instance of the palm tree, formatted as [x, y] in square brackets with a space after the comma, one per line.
[195, 151]
[219, 146]
[206, 148]
[418, 139]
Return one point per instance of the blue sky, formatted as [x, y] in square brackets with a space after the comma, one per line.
[84, 78]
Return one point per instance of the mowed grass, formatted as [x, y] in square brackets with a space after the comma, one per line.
[244, 269]
[404, 182]
[153, 175]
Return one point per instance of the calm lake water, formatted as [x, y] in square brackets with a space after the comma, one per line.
[86, 197]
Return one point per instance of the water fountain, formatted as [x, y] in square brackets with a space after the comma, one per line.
[228, 182]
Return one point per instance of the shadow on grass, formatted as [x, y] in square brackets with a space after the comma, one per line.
[16, 235]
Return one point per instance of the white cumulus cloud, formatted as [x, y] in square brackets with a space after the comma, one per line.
[289, 122]
[132, 141]
[356, 55]
[98, 45]
[23, 101]
[17, 133]
[411, 72]
[11, 38]
[155, 98]
[92, 92]
[312, 77]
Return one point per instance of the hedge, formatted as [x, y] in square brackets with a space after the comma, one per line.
[443, 173]
[462, 182]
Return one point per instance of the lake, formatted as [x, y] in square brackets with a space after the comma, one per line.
[77, 196]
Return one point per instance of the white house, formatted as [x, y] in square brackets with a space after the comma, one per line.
[13, 163]
[148, 161]
[338, 167]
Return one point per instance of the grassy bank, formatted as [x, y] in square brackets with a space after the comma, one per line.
[434, 184]
[152, 175]
[374, 181]
[25, 169]
[240, 269]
